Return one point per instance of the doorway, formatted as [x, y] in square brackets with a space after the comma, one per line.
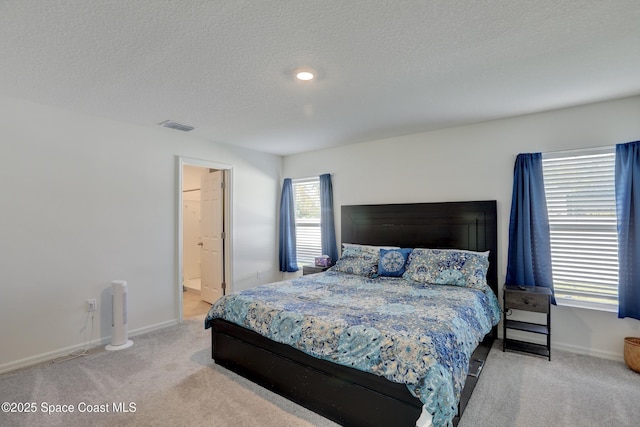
[204, 238]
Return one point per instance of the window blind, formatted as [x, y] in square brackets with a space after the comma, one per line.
[306, 194]
[580, 193]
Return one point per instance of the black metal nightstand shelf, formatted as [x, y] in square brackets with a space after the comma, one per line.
[531, 299]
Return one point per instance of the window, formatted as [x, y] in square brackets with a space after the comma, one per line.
[306, 200]
[580, 193]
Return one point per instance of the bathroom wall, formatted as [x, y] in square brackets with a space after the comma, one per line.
[191, 226]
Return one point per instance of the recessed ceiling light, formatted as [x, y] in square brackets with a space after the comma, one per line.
[305, 74]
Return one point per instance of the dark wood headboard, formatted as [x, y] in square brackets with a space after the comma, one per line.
[451, 225]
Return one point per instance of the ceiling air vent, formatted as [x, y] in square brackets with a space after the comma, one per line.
[176, 126]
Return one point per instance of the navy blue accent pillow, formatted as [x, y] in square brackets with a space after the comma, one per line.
[393, 262]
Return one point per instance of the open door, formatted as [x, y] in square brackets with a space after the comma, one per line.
[212, 236]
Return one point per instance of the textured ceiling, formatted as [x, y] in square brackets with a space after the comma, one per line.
[386, 68]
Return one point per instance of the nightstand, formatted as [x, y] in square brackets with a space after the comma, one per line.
[312, 269]
[533, 299]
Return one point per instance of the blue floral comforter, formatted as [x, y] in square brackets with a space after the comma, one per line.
[408, 332]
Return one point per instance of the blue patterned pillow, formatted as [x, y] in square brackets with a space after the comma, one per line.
[392, 262]
[358, 260]
[448, 267]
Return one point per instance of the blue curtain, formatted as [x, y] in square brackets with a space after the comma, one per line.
[628, 213]
[327, 224]
[287, 238]
[529, 255]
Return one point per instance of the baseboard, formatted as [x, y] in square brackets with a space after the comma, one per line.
[191, 290]
[601, 354]
[151, 328]
[618, 357]
[98, 342]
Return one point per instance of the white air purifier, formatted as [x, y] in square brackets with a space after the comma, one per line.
[119, 327]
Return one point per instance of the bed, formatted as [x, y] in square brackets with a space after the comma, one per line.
[332, 388]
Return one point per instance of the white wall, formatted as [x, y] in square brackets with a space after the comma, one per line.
[476, 163]
[86, 201]
[191, 235]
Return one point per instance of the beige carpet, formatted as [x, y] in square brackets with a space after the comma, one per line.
[571, 390]
[171, 380]
[167, 375]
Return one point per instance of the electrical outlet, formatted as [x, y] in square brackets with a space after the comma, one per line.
[91, 305]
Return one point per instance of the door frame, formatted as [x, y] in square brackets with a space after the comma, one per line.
[228, 221]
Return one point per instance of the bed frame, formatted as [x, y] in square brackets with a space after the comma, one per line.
[346, 395]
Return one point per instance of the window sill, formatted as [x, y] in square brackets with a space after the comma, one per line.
[570, 302]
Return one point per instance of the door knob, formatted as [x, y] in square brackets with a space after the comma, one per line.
[200, 243]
